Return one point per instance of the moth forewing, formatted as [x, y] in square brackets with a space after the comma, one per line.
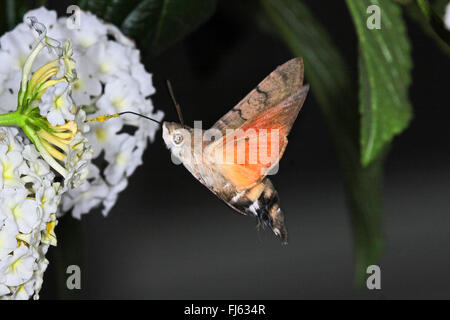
[282, 83]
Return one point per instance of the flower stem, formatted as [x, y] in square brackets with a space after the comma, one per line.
[11, 119]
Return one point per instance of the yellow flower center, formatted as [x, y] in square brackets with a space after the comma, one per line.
[43, 200]
[20, 242]
[59, 102]
[15, 264]
[121, 159]
[101, 134]
[8, 172]
[77, 85]
[50, 227]
[17, 213]
[36, 168]
[119, 103]
[86, 41]
[104, 67]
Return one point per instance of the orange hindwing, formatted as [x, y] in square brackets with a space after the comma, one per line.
[254, 133]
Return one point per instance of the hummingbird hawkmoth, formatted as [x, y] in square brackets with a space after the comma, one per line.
[266, 115]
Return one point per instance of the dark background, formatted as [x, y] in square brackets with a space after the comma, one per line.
[168, 237]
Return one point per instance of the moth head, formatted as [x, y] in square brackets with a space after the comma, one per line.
[177, 138]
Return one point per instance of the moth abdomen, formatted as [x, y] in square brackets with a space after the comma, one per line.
[262, 201]
[270, 211]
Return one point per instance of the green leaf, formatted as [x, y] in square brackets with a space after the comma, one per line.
[117, 10]
[440, 6]
[163, 22]
[154, 23]
[384, 75]
[113, 11]
[416, 15]
[11, 13]
[95, 6]
[333, 88]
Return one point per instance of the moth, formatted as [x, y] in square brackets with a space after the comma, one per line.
[267, 114]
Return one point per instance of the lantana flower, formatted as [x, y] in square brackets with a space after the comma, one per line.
[10, 166]
[56, 104]
[27, 218]
[127, 158]
[8, 240]
[41, 130]
[41, 92]
[19, 266]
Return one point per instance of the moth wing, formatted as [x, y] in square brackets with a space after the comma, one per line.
[247, 173]
[247, 155]
[278, 86]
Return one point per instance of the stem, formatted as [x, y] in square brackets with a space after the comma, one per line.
[22, 121]
[27, 69]
[11, 119]
[425, 7]
[10, 13]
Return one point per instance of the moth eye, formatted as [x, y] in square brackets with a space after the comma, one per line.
[178, 138]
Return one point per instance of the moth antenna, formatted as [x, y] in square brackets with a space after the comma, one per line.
[177, 106]
[105, 117]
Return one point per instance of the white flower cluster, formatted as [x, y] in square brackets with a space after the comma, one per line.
[106, 79]
[28, 202]
[29, 192]
[111, 79]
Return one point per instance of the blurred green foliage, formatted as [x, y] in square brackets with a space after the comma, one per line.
[363, 116]
[416, 14]
[435, 21]
[11, 13]
[337, 94]
[154, 24]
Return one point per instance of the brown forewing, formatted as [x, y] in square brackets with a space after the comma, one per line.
[282, 83]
